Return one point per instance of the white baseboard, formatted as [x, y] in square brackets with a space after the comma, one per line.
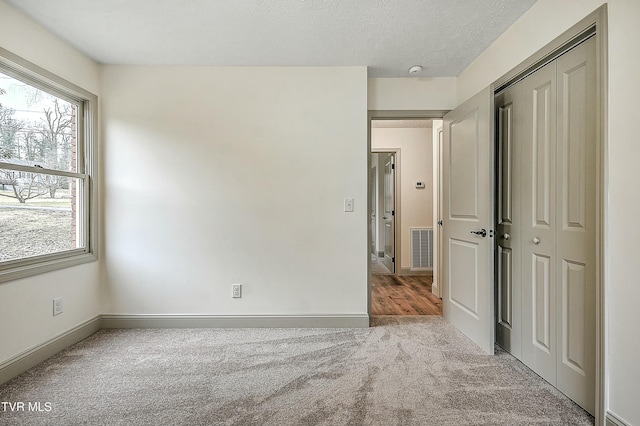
[235, 321]
[409, 272]
[34, 356]
[613, 420]
[435, 289]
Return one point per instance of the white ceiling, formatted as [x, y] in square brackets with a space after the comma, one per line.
[389, 36]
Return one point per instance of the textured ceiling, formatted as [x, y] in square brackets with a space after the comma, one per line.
[388, 36]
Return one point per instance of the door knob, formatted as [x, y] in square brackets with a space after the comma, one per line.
[506, 236]
[536, 240]
[482, 232]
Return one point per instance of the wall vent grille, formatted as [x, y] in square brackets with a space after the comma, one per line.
[421, 249]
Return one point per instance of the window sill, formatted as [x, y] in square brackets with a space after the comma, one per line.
[40, 267]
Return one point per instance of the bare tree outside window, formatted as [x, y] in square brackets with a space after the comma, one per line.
[37, 209]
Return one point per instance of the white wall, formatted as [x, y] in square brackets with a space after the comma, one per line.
[26, 305]
[228, 175]
[416, 165]
[23, 37]
[412, 93]
[541, 24]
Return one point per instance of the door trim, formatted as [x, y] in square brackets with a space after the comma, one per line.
[390, 115]
[436, 285]
[596, 21]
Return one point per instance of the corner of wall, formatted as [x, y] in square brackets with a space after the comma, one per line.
[26, 303]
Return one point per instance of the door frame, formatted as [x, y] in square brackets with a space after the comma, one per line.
[594, 22]
[390, 115]
[438, 133]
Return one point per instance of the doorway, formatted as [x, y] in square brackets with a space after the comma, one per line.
[401, 190]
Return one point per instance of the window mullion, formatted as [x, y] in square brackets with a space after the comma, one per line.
[41, 170]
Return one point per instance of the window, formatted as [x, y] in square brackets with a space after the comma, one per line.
[48, 189]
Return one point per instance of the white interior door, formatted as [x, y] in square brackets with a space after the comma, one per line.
[389, 214]
[373, 200]
[468, 216]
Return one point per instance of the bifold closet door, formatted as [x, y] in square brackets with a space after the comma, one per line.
[539, 222]
[576, 224]
[508, 309]
[558, 222]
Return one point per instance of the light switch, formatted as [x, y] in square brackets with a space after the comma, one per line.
[348, 204]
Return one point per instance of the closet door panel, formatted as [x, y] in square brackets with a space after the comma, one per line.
[539, 222]
[576, 217]
[509, 295]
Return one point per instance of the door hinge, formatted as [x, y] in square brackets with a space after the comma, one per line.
[393, 212]
[393, 167]
[393, 260]
[440, 223]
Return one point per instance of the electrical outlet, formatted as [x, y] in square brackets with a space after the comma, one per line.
[57, 306]
[236, 290]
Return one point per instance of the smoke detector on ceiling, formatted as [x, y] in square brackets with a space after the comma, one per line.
[416, 69]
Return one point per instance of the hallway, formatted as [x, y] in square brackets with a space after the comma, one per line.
[402, 295]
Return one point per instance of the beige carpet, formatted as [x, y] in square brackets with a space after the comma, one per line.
[403, 371]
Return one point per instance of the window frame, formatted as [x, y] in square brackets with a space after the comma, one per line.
[87, 169]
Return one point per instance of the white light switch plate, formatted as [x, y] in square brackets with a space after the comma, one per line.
[348, 204]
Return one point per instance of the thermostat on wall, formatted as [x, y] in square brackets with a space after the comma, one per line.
[419, 184]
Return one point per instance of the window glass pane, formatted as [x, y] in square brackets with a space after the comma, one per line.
[39, 214]
[36, 128]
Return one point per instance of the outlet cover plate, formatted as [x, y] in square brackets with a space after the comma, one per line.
[236, 290]
[57, 306]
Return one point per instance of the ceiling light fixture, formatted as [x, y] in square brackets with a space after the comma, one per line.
[416, 69]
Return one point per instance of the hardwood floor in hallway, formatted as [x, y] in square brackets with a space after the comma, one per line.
[405, 295]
